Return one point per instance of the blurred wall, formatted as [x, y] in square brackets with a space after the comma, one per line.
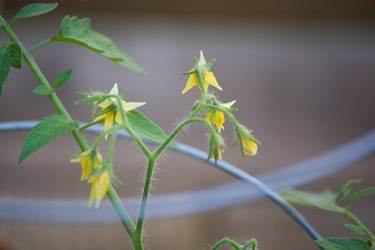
[268, 8]
[302, 73]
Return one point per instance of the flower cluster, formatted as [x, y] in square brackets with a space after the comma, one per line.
[99, 184]
[112, 112]
[202, 77]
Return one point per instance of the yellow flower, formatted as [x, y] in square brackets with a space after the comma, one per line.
[249, 147]
[219, 118]
[86, 164]
[99, 187]
[209, 79]
[113, 115]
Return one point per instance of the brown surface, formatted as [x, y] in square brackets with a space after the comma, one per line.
[303, 87]
[249, 8]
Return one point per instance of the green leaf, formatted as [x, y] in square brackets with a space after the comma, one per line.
[42, 90]
[10, 55]
[146, 128]
[358, 230]
[323, 200]
[360, 194]
[342, 244]
[78, 31]
[34, 9]
[49, 129]
[63, 78]
[14, 53]
[345, 190]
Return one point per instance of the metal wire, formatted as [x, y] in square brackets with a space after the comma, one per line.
[189, 202]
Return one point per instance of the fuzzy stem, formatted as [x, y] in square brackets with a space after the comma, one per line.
[81, 141]
[357, 222]
[228, 241]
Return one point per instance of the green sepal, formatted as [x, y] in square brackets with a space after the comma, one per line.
[209, 64]
[342, 244]
[345, 189]
[360, 194]
[49, 129]
[146, 128]
[78, 31]
[96, 97]
[34, 9]
[42, 90]
[62, 78]
[324, 200]
[358, 230]
[10, 55]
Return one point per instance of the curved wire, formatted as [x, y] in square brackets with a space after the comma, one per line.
[188, 202]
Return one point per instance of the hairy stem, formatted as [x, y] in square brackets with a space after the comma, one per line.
[228, 241]
[81, 141]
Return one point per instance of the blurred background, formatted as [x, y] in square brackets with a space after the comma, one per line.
[302, 73]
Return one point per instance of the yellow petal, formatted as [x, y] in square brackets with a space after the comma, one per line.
[99, 187]
[108, 120]
[100, 117]
[210, 79]
[105, 104]
[219, 120]
[118, 117]
[249, 147]
[191, 82]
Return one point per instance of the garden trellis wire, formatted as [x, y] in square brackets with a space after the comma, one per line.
[190, 202]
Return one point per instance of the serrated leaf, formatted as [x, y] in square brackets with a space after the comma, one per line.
[360, 194]
[42, 90]
[63, 78]
[345, 190]
[49, 129]
[323, 200]
[358, 230]
[342, 244]
[34, 9]
[78, 31]
[146, 128]
[10, 55]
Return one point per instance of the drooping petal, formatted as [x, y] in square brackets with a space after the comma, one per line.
[108, 121]
[118, 117]
[249, 147]
[191, 82]
[99, 187]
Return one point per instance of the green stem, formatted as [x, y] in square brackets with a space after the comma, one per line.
[251, 243]
[44, 82]
[122, 212]
[81, 141]
[83, 128]
[146, 192]
[39, 46]
[111, 147]
[357, 222]
[129, 129]
[227, 241]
